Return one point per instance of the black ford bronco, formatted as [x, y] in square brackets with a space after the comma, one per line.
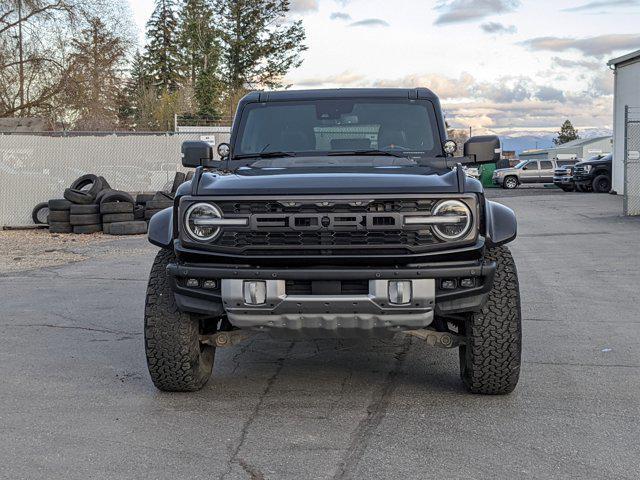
[334, 213]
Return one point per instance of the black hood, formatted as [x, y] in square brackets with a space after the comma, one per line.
[597, 161]
[296, 181]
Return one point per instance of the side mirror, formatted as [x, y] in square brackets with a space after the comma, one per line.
[484, 149]
[196, 154]
[525, 168]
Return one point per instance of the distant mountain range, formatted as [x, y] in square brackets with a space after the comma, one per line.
[520, 141]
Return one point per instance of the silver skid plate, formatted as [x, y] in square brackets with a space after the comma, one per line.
[330, 312]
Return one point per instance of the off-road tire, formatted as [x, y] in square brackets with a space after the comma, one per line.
[510, 182]
[128, 228]
[60, 227]
[601, 184]
[84, 209]
[116, 196]
[176, 359]
[490, 360]
[40, 213]
[116, 207]
[88, 219]
[117, 217]
[138, 212]
[59, 216]
[87, 229]
[59, 204]
[79, 197]
[158, 205]
[178, 180]
[143, 198]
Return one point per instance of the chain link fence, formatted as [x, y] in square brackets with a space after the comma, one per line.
[36, 167]
[632, 161]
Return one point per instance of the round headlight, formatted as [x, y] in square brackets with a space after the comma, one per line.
[450, 147]
[459, 217]
[198, 221]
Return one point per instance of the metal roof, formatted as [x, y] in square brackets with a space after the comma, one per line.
[580, 142]
[629, 57]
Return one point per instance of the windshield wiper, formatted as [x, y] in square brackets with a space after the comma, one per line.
[367, 153]
[264, 155]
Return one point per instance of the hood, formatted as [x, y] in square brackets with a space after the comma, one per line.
[251, 181]
[502, 170]
[597, 161]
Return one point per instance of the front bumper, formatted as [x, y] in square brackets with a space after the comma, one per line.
[563, 180]
[370, 310]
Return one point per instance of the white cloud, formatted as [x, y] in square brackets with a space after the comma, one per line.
[370, 22]
[304, 6]
[603, 4]
[340, 16]
[591, 46]
[458, 11]
[498, 28]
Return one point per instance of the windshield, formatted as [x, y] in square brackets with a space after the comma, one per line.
[320, 127]
[522, 164]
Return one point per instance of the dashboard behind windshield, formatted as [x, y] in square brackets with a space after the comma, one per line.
[317, 127]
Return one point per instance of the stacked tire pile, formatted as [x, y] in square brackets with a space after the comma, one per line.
[121, 215]
[158, 202]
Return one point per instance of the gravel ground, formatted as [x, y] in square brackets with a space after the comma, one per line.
[32, 249]
[76, 401]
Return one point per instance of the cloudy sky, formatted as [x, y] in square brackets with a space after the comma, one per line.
[498, 65]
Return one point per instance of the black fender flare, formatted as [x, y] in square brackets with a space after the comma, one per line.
[161, 228]
[501, 224]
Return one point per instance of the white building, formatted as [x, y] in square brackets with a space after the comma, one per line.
[582, 149]
[626, 93]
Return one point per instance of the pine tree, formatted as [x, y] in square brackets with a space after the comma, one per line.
[200, 53]
[259, 48]
[135, 86]
[162, 54]
[566, 134]
[95, 82]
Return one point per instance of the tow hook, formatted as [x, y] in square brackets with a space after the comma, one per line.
[437, 339]
[225, 339]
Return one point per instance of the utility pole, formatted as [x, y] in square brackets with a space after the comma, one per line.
[470, 132]
[21, 58]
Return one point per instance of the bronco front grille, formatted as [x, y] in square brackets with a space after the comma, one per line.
[327, 226]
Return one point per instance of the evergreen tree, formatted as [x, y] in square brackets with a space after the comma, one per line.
[200, 52]
[95, 81]
[566, 134]
[258, 47]
[135, 86]
[162, 53]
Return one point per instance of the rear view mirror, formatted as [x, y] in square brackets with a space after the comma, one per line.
[196, 154]
[484, 149]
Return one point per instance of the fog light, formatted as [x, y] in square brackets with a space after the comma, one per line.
[399, 292]
[193, 283]
[210, 284]
[449, 284]
[255, 292]
[467, 282]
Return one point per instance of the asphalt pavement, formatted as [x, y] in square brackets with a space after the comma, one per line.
[76, 401]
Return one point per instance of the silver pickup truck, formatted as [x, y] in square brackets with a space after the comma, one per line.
[528, 171]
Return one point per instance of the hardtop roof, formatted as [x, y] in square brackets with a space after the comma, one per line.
[323, 94]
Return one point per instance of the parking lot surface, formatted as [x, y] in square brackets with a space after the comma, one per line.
[76, 401]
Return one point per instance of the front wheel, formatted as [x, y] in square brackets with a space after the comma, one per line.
[177, 361]
[490, 358]
[601, 184]
[510, 183]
